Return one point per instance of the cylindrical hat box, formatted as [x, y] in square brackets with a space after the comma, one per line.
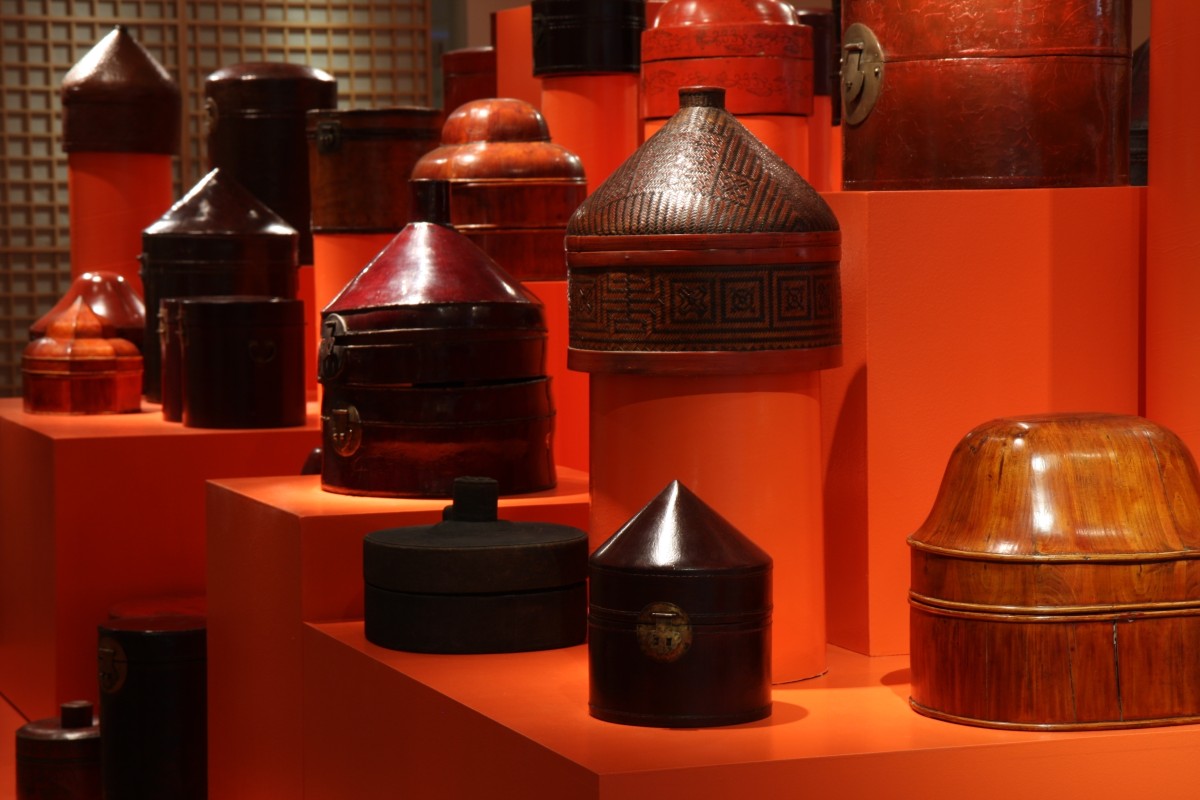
[59, 758]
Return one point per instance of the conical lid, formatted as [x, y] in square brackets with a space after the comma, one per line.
[429, 267]
[679, 549]
[117, 98]
[703, 172]
[219, 206]
[110, 297]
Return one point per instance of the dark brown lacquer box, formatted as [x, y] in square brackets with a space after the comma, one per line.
[354, 161]
[118, 83]
[512, 190]
[81, 367]
[468, 73]
[679, 619]
[217, 240]
[1056, 582]
[475, 584]
[59, 758]
[433, 366]
[110, 297]
[242, 362]
[704, 253]
[959, 94]
[756, 50]
[171, 356]
[256, 124]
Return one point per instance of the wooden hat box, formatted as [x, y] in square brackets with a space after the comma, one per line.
[81, 367]
[679, 619]
[217, 240]
[704, 253]
[962, 94]
[512, 190]
[1056, 582]
[432, 361]
[473, 583]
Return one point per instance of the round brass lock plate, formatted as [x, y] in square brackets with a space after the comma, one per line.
[664, 632]
[345, 430]
[114, 665]
[862, 73]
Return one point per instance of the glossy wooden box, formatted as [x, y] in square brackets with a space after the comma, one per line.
[1054, 584]
[976, 95]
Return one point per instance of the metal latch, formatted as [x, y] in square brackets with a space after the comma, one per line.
[664, 632]
[345, 430]
[862, 73]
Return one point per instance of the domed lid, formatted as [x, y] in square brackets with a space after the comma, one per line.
[707, 28]
[270, 86]
[76, 334]
[429, 267]
[495, 138]
[472, 551]
[1066, 487]
[110, 297]
[678, 549]
[117, 98]
[703, 172]
[218, 206]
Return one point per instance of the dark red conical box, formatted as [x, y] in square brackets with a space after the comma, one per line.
[679, 620]
[433, 366]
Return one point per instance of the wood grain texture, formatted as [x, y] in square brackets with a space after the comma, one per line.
[1055, 583]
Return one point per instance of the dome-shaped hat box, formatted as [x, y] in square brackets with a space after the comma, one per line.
[512, 190]
[1054, 582]
[433, 366]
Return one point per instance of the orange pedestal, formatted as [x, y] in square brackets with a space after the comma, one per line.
[380, 724]
[569, 388]
[514, 56]
[96, 510]
[959, 307]
[787, 136]
[282, 552]
[1172, 233]
[111, 198]
[747, 445]
[595, 117]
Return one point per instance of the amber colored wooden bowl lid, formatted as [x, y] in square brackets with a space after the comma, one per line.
[110, 297]
[1066, 487]
[78, 341]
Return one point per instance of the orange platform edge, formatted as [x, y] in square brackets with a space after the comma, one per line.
[95, 510]
[959, 307]
[282, 552]
[381, 724]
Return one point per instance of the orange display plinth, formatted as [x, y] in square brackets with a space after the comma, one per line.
[1172, 382]
[282, 552]
[513, 32]
[381, 724]
[595, 117]
[112, 197]
[95, 510]
[959, 307]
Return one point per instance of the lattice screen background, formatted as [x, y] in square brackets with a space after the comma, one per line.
[379, 51]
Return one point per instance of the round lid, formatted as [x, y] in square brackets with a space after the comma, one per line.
[271, 86]
[117, 98]
[1066, 487]
[429, 266]
[73, 734]
[242, 310]
[77, 334]
[109, 296]
[678, 545]
[703, 172]
[472, 552]
[497, 138]
[573, 37]
[722, 28]
[159, 639]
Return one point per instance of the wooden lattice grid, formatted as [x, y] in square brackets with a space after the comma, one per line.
[379, 51]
